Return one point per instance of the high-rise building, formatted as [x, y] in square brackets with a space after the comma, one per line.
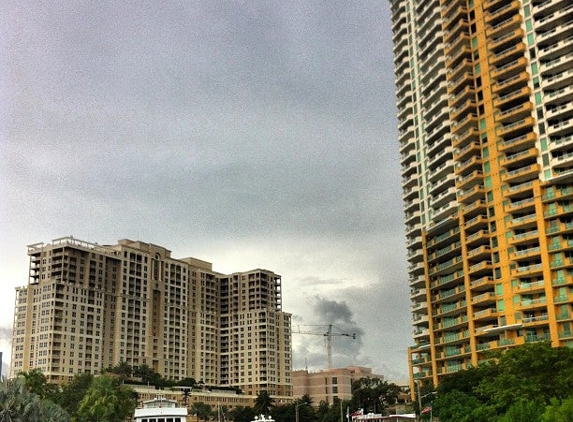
[485, 115]
[87, 307]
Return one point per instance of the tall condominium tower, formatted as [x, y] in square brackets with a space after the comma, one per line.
[88, 307]
[485, 114]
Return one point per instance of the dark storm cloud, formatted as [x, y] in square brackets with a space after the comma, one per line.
[336, 318]
[249, 133]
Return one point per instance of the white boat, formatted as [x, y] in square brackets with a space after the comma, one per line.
[160, 409]
[263, 418]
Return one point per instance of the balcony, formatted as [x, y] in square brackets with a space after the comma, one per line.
[505, 26]
[482, 284]
[495, 16]
[461, 140]
[557, 65]
[522, 174]
[468, 93]
[556, 50]
[560, 112]
[520, 158]
[472, 164]
[480, 253]
[528, 271]
[473, 209]
[477, 222]
[533, 287]
[510, 85]
[525, 238]
[472, 179]
[561, 127]
[532, 304]
[562, 161]
[508, 70]
[520, 190]
[452, 13]
[519, 97]
[508, 55]
[518, 143]
[484, 268]
[554, 19]
[553, 36]
[522, 206]
[472, 194]
[515, 113]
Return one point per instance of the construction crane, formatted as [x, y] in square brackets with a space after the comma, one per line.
[328, 337]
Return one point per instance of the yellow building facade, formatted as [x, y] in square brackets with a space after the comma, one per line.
[87, 307]
[485, 119]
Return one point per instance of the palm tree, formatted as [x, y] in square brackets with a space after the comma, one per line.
[263, 403]
[107, 400]
[18, 404]
[201, 410]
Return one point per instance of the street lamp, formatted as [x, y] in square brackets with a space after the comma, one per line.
[420, 397]
[431, 405]
[296, 410]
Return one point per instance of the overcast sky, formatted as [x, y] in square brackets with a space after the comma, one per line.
[250, 134]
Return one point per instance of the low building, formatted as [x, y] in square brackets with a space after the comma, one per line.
[328, 384]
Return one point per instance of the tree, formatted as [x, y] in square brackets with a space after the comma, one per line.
[532, 372]
[187, 382]
[456, 406]
[263, 403]
[122, 369]
[243, 414]
[107, 400]
[72, 394]
[146, 374]
[37, 383]
[559, 411]
[18, 404]
[373, 394]
[524, 411]
[201, 410]
[331, 412]
[526, 383]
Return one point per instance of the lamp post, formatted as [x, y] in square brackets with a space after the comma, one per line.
[431, 405]
[417, 382]
[296, 410]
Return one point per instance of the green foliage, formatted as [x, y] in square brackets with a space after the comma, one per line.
[122, 369]
[70, 395]
[530, 383]
[187, 382]
[524, 411]
[264, 403]
[559, 411]
[18, 404]
[456, 406]
[201, 410]
[243, 414]
[373, 394]
[36, 383]
[332, 413]
[107, 400]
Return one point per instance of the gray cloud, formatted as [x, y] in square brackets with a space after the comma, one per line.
[247, 133]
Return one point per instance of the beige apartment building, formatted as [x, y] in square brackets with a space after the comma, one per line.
[328, 384]
[88, 306]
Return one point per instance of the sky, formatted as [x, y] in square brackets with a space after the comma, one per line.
[250, 134]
